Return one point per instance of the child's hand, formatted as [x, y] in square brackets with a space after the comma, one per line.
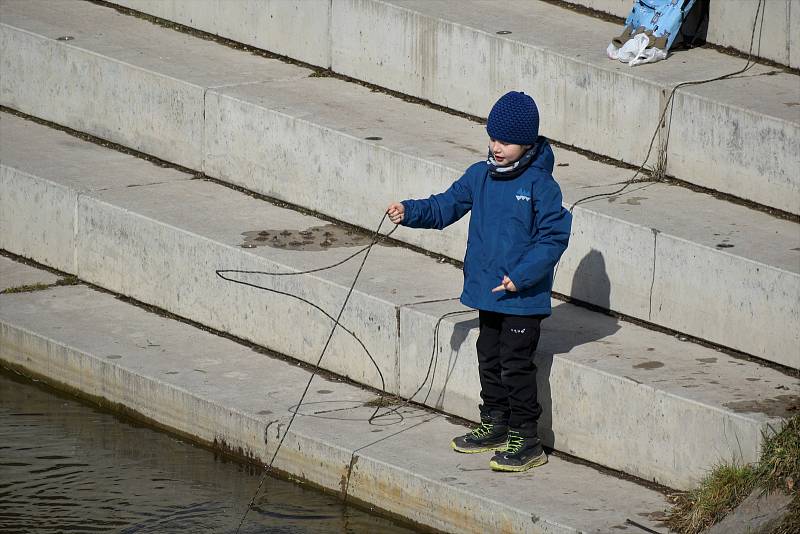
[395, 212]
[506, 285]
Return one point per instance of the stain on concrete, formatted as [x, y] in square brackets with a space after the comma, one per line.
[264, 412]
[170, 372]
[324, 391]
[648, 365]
[113, 356]
[753, 379]
[780, 406]
[344, 483]
[706, 360]
[315, 238]
[634, 201]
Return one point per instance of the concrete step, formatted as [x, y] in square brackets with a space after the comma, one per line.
[740, 136]
[219, 392]
[664, 254]
[730, 24]
[614, 393]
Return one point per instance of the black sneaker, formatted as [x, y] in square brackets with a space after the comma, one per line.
[521, 453]
[489, 436]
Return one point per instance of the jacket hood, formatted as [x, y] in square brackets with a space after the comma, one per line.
[544, 158]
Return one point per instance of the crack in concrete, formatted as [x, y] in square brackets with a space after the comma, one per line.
[420, 302]
[345, 483]
[653, 279]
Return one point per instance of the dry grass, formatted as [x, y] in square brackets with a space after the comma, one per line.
[727, 485]
[66, 281]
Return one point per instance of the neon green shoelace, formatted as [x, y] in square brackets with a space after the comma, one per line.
[483, 430]
[514, 442]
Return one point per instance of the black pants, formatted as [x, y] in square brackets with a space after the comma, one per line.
[506, 346]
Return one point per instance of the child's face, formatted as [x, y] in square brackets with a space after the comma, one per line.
[506, 153]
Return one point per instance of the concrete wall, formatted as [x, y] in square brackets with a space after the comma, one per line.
[160, 243]
[157, 118]
[294, 28]
[218, 392]
[435, 53]
[245, 130]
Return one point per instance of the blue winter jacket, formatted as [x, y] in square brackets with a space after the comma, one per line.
[517, 228]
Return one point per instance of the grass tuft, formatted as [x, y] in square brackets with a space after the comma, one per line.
[719, 493]
[68, 280]
[727, 485]
[779, 467]
[25, 288]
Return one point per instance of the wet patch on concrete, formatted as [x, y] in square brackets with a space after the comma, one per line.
[706, 360]
[780, 406]
[315, 238]
[648, 365]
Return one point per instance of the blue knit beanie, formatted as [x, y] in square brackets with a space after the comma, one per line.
[514, 119]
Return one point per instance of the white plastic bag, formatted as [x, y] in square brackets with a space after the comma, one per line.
[612, 51]
[635, 52]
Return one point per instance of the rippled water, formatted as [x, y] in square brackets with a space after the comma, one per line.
[68, 467]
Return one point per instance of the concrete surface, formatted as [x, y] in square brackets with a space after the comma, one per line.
[14, 274]
[456, 59]
[217, 391]
[421, 151]
[290, 28]
[150, 97]
[757, 514]
[611, 259]
[436, 53]
[730, 23]
[160, 242]
[680, 407]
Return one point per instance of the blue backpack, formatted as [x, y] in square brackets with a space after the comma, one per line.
[663, 18]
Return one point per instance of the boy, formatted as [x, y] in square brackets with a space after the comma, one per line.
[517, 232]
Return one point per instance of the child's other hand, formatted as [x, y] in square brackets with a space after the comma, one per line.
[395, 212]
[506, 285]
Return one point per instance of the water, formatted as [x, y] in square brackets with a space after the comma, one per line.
[68, 467]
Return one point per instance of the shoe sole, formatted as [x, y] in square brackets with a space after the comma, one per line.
[535, 462]
[497, 448]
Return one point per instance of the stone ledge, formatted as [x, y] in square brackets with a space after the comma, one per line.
[219, 392]
[160, 244]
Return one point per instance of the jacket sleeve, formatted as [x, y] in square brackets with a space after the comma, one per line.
[554, 224]
[442, 209]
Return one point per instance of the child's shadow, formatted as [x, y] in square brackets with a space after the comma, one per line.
[570, 327]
